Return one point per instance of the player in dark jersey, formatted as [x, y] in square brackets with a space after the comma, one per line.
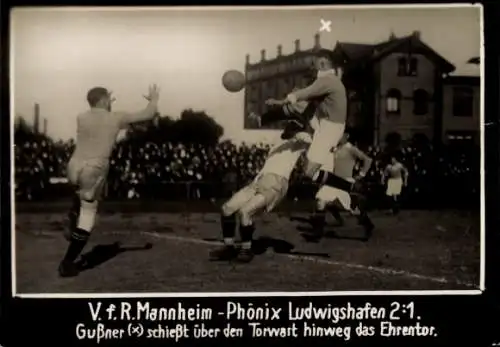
[341, 162]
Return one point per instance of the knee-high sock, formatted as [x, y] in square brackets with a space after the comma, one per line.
[246, 234]
[363, 219]
[228, 226]
[81, 234]
[319, 221]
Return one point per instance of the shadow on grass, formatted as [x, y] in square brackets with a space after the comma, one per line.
[262, 244]
[103, 253]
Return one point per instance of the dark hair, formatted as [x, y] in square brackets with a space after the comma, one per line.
[95, 95]
[325, 55]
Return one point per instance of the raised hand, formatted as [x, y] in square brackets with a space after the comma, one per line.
[153, 94]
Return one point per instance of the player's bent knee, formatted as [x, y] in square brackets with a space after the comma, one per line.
[245, 216]
[243, 213]
[226, 210]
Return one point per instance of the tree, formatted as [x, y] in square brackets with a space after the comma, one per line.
[197, 127]
[192, 127]
[22, 131]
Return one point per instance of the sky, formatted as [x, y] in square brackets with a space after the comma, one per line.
[58, 54]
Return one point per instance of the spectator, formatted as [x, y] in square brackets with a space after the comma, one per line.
[146, 169]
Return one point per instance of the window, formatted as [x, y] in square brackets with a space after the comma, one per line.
[420, 102]
[279, 88]
[459, 138]
[463, 102]
[402, 66]
[272, 85]
[413, 67]
[407, 67]
[252, 107]
[393, 101]
[308, 61]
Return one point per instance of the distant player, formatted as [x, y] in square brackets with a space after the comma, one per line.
[342, 162]
[264, 193]
[97, 130]
[396, 176]
[328, 94]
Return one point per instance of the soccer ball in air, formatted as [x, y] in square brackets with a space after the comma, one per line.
[233, 81]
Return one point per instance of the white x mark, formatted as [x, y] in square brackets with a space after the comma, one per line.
[325, 25]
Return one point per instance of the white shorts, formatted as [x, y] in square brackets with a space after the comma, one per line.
[329, 194]
[394, 186]
[89, 177]
[271, 186]
[326, 136]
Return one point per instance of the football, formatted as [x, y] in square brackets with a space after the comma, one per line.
[233, 81]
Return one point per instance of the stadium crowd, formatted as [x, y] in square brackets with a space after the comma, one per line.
[144, 169]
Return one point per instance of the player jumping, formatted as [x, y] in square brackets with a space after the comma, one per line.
[341, 163]
[328, 94]
[97, 130]
[397, 177]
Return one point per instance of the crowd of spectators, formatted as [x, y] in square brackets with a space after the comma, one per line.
[165, 170]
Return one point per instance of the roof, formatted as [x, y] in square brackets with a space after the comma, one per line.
[288, 57]
[370, 53]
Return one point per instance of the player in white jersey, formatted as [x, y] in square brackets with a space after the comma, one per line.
[267, 189]
[396, 175]
[341, 163]
[97, 130]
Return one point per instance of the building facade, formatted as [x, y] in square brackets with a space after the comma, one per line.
[461, 109]
[399, 89]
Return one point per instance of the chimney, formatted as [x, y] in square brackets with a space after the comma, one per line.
[416, 34]
[45, 126]
[392, 36]
[280, 50]
[317, 42]
[297, 45]
[247, 59]
[36, 120]
[263, 55]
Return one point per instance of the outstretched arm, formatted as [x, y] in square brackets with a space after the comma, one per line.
[320, 87]
[148, 113]
[284, 112]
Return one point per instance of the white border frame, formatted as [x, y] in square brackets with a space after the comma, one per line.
[261, 294]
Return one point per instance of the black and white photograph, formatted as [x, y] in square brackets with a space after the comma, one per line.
[242, 151]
